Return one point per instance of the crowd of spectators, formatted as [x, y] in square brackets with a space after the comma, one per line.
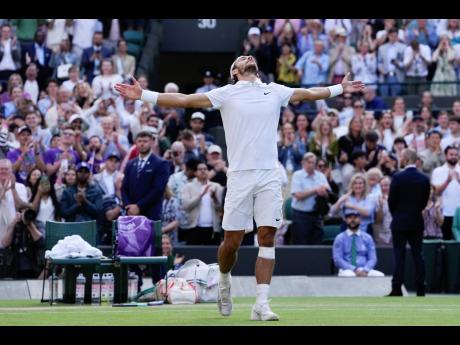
[72, 149]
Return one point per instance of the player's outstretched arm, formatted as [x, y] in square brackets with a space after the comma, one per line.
[316, 93]
[174, 100]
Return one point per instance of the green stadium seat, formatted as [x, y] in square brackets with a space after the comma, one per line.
[287, 209]
[329, 233]
[433, 255]
[133, 36]
[453, 266]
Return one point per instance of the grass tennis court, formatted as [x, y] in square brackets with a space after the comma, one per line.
[327, 311]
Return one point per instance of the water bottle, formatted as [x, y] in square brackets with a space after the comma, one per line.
[80, 289]
[53, 284]
[104, 287]
[110, 287]
[96, 289]
[132, 286]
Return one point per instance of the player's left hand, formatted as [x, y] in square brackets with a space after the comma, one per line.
[352, 86]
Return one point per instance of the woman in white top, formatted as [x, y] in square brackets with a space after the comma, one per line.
[401, 117]
[386, 131]
[364, 64]
[44, 201]
[103, 84]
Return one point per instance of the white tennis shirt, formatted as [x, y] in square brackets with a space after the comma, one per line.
[250, 115]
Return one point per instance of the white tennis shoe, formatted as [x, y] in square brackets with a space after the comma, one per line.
[224, 298]
[262, 312]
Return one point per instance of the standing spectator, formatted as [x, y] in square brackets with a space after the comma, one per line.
[416, 137]
[428, 101]
[286, 71]
[107, 177]
[93, 56]
[325, 144]
[454, 138]
[74, 79]
[390, 59]
[357, 199]
[389, 26]
[104, 82]
[401, 116]
[112, 140]
[450, 28]
[26, 29]
[382, 229]
[313, 65]
[12, 195]
[45, 104]
[432, 217]
[208, 81]
[417, 58]
[202, 200]
[302, 133]
[218, 167]
[290, 150]
[307, 184]
[10, 53]
[374, 176]
[83, 201]
[354, 250]
[364, 65]
[358, 165]
[41, 55]
[124, 63]
[31, 86]
[170, 216]
[41, 135]
[202, 139]
[312, 31]
[432, 156]
[346, 112]
[252, 43]
[444, 57]
[340, 56]
[331, 26]
[175, 155]
[423, 31]
[83, 32]
[26, 156]
[188, 140]
[352, 141]
[56, 32]
[443, 124]
[409, 194]
[446, 180]
[324, 167]
[32, 181]
[150, 172]
[63, 58]
[386, 131]
[373, 150]
[95, 152]
[65, 180]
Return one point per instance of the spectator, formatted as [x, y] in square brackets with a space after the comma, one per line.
[409, 194]
[12, 196]
[386, 131]
[450, 28]
[32, 181]
[427, 101]
[175, 155]
[443, 124]
[62, 60]
[357, 199]
[188, 139]
[175, 260]
[170, 216]
[74, 79]
[324, 144]
[280, 24]
[364, 65]
[288, 36]
[27, 28]
[366, 35]
[113, 208]
[455, 108]
[331, 26]
[324, 167]
[26, 156]
[358, 109]
[25, 237]
[358, 165]
[352, 141]
[354, 250]
[44, 104]
[124, 63]
[149, 171]
[399, 145]
[41, 55]
[416, 137]
[423, 31]
[83, 94]
[13, 106]
[311, 32]
[267, 53]
[417, 58]
[432, 156]
[444, 57]
[202, 200]
[454, 138]
[401, 116]
[369, 122]
[432, 217]
[340, 56]
[57, 115]
[427, 117]
[252, 43]
[14, 80]
[389, 26]
[372, 150]
[446, 180]
[302, 133]
[31, 86]
[374, 176]
[65, 180]
[382, 230]
[93, 56]
[290, 151]
[390, 60]
[83, 32]
[10, 53]
[109, 174]
[104, 82]
[112, 140]
[208, 81]
[45, 202]
[57, 31]
[307, 184]
[286, 71]
[83, 201]
[218, 167]
[312, 66]
[202, 139]
[41, 135]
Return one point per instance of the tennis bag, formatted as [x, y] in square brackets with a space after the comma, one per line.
[202, 277]
[178, 292]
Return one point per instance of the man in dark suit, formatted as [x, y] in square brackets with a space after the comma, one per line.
[409, 194]
[40, 54]
[145, 180]
[92, 57]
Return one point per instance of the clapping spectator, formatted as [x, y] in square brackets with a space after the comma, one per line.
[444, 57]
[63, 59]
[313, 65]
[340, 55]
[45, 202]
[218, 167]
[324, 144]
[417, 58]
[124, 63]
[423, 31]
[454, 138]
[287, 73]
[10, 53]
[93, 56]
[401, 116]
[290, 150]
[31, 86]
[364, 65]
[382, 230]
[432, 216]
[103, 83]
[386, 131]
[41, 55]
[311, 32]
[432, 156]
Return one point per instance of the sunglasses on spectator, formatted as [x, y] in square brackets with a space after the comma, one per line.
[358, 106]
[347, 97]
[68, 134]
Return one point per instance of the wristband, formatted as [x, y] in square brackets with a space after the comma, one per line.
[335, 90]
[149, 96]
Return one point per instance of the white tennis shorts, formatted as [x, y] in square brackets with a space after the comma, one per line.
[253, 194]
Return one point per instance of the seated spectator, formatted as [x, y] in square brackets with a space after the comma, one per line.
[373, 150]
[401, 116]
[382, 230]
[324, 144]
[352, 141]
[302, 132]
[386, 131]
[92, 57]
[286, 71]
[201, 200]
[175, 260]
[62, 60]
[27, 156]
[373, 102]
[428, 101]
[12, 196]
[433, 217]
[189, 142]
[83, 201]
[432, 156]
[203, 140]
[170, 216]
[442, 124]
[415, 139]
[357, 167]
[45, 202]
[26, 239]
[354, 250]
[307, 184]
[106, 178]
[103, 83]
[312, 67]
[32, 182]
[444, 57]
[73, 80]
[218, 167]
[357, 199]
[374, 176]
[290, 151]
[124, 63]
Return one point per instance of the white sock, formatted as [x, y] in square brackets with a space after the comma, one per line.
[225, 277]
[262, 293]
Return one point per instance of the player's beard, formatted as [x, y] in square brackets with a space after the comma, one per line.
[251, 69]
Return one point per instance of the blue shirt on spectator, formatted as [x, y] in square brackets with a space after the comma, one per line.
[312, 73]
[369, 204]
[301, 182]
[366, 257]
[431, 39]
